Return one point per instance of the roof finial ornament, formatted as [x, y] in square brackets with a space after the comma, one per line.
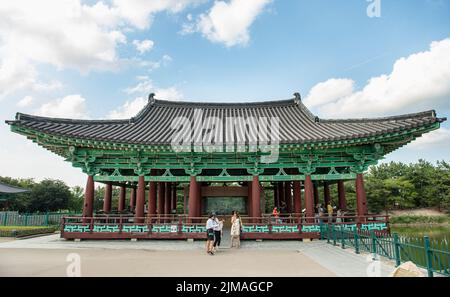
[298, 98]
[151, 98]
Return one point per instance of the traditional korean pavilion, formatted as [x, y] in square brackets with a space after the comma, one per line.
[139, 153]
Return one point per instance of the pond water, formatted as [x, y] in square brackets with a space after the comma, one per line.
[433, 232]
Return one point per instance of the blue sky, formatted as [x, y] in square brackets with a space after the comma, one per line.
[344, 63]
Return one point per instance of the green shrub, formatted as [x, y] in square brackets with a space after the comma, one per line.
[22, 231]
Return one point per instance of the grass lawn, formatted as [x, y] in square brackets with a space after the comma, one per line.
[419, 219]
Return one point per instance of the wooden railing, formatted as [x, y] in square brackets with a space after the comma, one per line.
[181, 224]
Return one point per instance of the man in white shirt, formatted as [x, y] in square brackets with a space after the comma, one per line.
[210, 225]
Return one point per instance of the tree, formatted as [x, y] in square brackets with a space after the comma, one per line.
[377, 194]
[400, 193]
[423, 175]
[49, 195]
[76, 200]
[441, 190]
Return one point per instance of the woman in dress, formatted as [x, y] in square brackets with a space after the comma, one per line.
[235, 230]
[233, 216]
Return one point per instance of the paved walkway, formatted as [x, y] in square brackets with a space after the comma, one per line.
[46, 256]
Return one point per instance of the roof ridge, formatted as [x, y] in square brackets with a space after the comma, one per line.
[152, 101]
[243, 104]
[428, 113]
[27, 117]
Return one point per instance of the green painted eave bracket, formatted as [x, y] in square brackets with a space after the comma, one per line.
[262, 178]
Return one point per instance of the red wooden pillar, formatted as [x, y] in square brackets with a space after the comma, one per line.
[88, 206]
[167, 199]
[185, 194]
[161, 197]
[341, 195]
[133, 199]
[174, 198]
[121, 205]
[326, 194]
[297, 197]
[309, 199]
[193, 197]
[361, 199]
[316, 194]
[276, 202]
[107, 198]
[140, 201]
[281, 200]
[151, 199]
[199, 199]
[256, 198]
[288, 196]
[249, 199]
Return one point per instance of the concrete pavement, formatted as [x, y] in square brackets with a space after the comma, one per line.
[47, 256]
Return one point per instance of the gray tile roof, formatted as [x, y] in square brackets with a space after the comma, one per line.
[7, 189]
[152, 126]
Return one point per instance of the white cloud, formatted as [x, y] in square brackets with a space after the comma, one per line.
[329, 91]
[172, 94]
[419, 81]
[142, 89]
[129, 109]
[132, 107]
[437, 138]
[145, 86]
[228, 22]
[69, 34]
[167, 59]
[143, 46]
[25, 101]
[71, 106]
[140, 13]
[65, 34]
[152, 65]
[16, 74]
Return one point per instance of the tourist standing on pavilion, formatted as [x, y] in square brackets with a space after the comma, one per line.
[339, 215]
[276, 215]
[330, 213]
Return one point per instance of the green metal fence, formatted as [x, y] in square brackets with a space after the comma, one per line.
[432, 255]
[44, 219]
